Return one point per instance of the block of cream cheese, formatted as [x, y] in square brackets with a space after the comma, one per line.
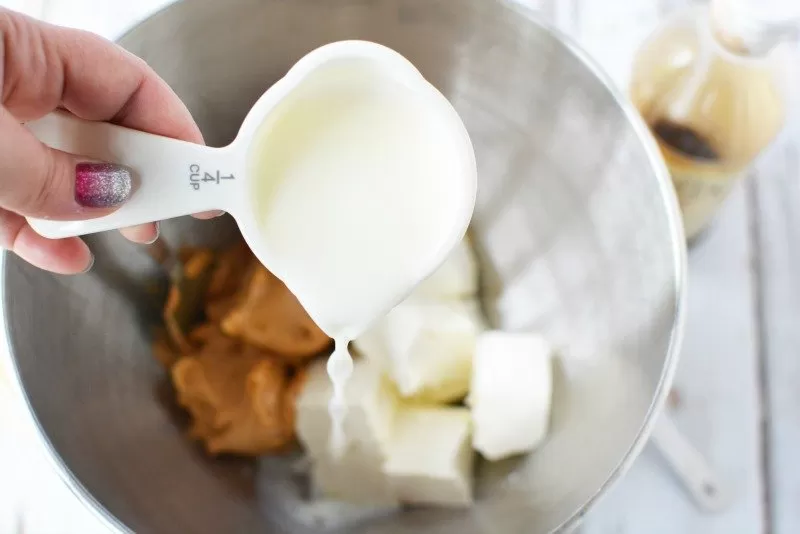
[430, 458]
[429, 348]
[511, 392]
[371, 404]
[456, 278]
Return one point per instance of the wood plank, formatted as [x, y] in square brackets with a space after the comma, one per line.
[613, 30]
[776, 201]
[719, 400]
[716, 380]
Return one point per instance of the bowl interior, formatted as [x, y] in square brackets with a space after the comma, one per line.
[575, 227]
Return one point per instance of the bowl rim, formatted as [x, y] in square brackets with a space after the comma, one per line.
[679, 250]
[680, 268]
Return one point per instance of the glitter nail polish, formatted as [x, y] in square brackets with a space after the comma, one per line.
[101, 185]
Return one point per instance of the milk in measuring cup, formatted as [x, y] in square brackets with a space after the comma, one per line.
[353, 192]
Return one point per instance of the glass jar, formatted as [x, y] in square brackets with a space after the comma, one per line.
[712, 85]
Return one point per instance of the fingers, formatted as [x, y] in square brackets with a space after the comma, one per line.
[45, 67]
[142, 233]
[62, 256]
[37, 181]
[205, 215]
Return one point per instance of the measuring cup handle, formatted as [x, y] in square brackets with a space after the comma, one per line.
[170, 177]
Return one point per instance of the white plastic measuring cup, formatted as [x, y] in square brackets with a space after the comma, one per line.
[174, 178]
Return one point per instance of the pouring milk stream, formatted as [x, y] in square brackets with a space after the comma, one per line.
[351, 179]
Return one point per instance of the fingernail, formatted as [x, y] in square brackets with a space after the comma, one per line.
[158, 234]
[101, 185]
[89, 267]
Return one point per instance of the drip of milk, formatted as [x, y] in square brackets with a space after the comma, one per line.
[355, 189]
[340, 367]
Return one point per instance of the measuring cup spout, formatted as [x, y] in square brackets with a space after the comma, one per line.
[170, 177]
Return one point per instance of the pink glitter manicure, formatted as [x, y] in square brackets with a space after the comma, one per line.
[101, 185]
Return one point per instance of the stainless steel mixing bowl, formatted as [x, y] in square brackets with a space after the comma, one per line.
[578, 233]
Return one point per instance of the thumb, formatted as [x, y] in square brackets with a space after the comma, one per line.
[38, 181]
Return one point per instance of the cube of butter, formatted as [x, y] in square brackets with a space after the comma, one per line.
[371, 405]
[430, 348]
[511, 393]
[426, 348]
[430, 457]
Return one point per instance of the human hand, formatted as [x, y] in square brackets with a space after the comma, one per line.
[44, 67]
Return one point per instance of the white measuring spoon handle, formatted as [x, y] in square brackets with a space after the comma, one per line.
[690, 466]
[170, 177]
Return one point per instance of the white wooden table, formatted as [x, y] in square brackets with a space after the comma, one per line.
[738, 384]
